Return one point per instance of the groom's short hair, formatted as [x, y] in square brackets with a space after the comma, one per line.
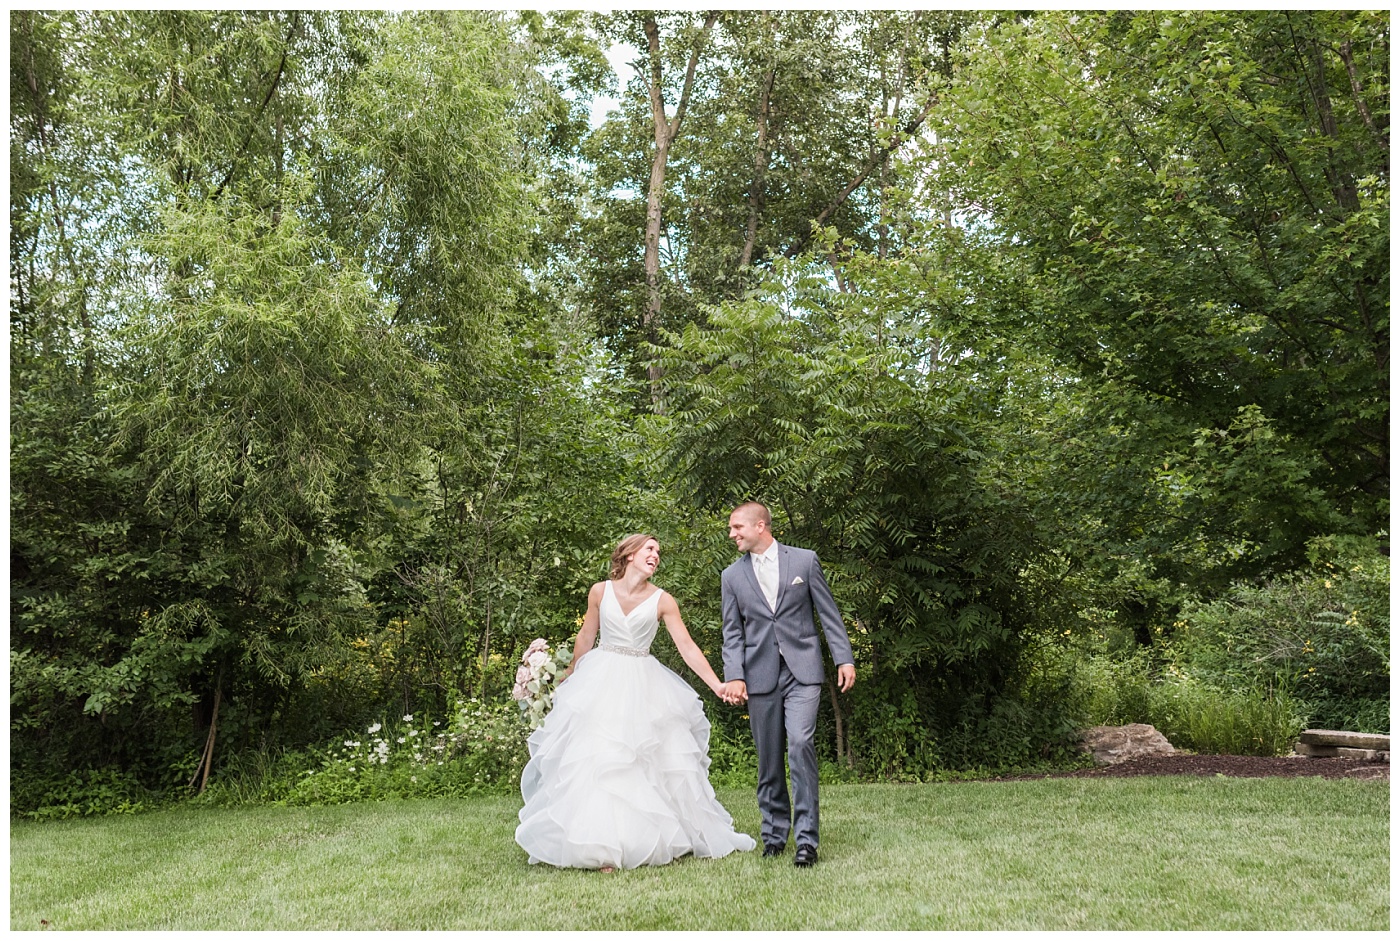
[758, 510]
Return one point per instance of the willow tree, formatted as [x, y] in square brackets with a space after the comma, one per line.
[293, 236]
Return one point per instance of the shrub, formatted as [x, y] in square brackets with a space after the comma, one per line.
[1321, 636]
[900, 732]
[253, 776]
[81, 793]
[1114, 691]
[481, 747]
[1218, 721]
[1193, 715]
[1357, 715]
[733, 760]
[890, 737]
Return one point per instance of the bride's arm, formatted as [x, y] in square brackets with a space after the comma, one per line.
[588, 633]
[689, 650]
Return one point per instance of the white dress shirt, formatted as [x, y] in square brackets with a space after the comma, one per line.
[765, 569]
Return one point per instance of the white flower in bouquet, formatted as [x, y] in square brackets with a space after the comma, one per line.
[536, 678]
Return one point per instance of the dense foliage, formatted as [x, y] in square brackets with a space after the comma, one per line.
[343, 348]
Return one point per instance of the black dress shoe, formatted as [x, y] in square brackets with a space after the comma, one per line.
[806, 855]
[773, 849]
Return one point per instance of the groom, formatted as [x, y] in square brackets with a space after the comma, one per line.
[773, 659]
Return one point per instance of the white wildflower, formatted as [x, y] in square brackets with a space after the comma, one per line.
[375, 728]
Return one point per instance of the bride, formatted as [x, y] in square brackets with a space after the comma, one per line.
[618, 773]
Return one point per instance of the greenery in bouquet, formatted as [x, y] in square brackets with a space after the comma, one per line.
[538, 676]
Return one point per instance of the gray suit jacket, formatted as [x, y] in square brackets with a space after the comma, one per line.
[756, 635]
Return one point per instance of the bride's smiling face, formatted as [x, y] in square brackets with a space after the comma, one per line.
[647, 558]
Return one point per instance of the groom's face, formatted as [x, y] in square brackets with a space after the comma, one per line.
[746, 530]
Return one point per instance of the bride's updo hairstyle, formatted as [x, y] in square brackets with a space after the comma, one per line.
[629, 546]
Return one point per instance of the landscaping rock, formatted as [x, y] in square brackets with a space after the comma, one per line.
[1336, 751]
[1111, 744]
[1363, 740]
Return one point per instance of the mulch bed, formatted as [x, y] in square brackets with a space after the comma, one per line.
[1231, 766]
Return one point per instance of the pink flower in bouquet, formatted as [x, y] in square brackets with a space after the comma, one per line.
[522, 676]
[537, 659]
[538, 644]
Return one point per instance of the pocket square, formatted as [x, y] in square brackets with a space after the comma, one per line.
[797, 580]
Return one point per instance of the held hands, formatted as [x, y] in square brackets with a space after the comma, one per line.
[735, 692]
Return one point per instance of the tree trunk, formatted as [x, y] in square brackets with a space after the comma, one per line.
[1343, 187]
[652, 260]
[760, 169]
[206, 761]
[664, 131]
[1379, 133]
[485, 649]
[843, 748]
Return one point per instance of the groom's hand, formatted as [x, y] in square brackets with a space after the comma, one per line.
[846, 677]
[735, 692]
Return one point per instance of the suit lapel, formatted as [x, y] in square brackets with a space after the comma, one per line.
[783, 573]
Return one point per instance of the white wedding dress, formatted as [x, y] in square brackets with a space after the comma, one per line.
[619, 771]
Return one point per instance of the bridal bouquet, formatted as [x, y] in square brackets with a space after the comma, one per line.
[537, 677]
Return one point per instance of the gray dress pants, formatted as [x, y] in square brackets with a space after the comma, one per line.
[789, 711]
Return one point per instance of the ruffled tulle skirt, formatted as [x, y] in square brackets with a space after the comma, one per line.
[619, 772]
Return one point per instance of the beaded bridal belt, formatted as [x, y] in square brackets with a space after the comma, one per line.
[629, 651]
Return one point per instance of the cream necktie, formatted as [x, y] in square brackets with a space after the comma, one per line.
[767, 571]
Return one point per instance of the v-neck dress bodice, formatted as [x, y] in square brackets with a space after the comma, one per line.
[619, 771]
[630, 632]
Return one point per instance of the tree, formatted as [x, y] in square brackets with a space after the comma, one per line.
[788, 117]
[890, 463]
[1191, 208]
[319, 221]
[644, 31]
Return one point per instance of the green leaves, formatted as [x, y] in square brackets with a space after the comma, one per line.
[325, 327]
[267, 270]
[824, 405]
[1183, 197]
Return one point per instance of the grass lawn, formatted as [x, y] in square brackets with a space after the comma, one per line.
[1137, 853]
